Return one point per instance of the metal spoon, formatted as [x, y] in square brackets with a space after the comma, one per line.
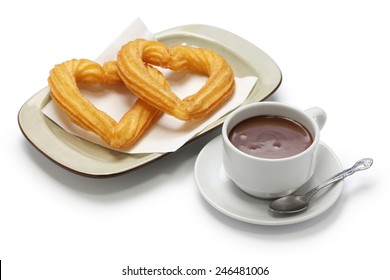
[297, 203]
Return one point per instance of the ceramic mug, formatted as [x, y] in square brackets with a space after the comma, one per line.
[265, 177]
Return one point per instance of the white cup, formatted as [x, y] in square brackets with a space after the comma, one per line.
[271, 178]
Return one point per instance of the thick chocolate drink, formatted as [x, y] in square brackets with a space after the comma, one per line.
[270, 137]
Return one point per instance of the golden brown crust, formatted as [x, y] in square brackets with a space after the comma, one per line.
[65, 92]
[135, 71]
[133, 60]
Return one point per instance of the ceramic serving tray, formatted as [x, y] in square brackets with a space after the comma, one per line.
[85, 158]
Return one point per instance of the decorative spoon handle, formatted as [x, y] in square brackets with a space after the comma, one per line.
[362, 164]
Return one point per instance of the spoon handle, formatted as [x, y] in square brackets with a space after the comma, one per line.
[362, 164]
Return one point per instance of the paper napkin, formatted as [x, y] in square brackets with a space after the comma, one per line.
[169, 133]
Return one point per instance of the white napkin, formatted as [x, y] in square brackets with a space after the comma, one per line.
[169, 133]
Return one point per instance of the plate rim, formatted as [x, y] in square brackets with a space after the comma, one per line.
[32, 108]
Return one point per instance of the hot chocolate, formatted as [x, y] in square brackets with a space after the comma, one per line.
[270, 137]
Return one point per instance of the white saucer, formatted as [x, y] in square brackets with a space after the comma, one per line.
[225, 196]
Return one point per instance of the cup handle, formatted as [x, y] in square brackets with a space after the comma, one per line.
[318, 114]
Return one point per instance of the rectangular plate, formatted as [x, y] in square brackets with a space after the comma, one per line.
[88, 159]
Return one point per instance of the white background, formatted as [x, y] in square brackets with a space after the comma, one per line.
[58, 225]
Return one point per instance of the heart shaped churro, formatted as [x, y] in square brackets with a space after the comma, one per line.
[135, 57]
[65, 92]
